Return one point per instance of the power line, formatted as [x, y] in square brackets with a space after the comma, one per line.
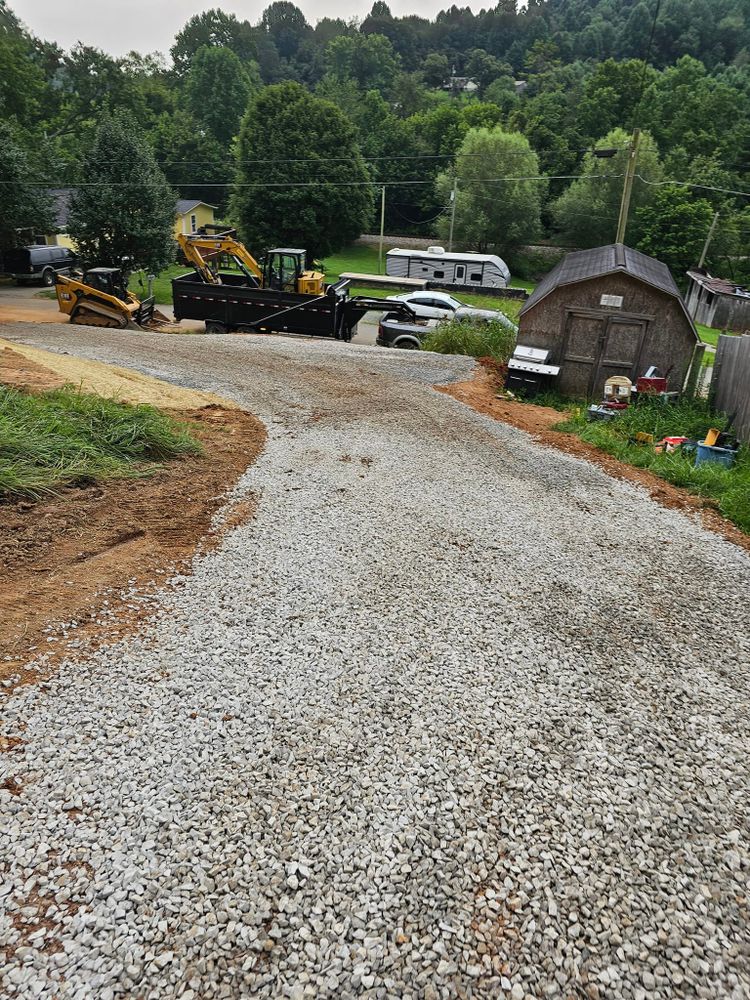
[320, 183]
[693, 184]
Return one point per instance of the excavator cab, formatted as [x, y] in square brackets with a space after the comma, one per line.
[285, 271]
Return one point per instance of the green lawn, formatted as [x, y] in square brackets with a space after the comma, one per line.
[162, 283]
[707, 334]
[52, 439]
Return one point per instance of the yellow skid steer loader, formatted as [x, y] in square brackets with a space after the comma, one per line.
[101, 298]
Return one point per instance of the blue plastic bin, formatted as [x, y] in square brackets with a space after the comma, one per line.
[710, 453]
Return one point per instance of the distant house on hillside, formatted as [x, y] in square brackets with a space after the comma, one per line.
[718, 302]
[609, 311]
[461, 85]
[192, 214]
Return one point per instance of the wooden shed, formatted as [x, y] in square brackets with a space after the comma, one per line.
[609, 311]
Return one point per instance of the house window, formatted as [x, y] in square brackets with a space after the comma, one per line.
[193, 224]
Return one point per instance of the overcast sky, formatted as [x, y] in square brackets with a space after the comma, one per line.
[117, 26]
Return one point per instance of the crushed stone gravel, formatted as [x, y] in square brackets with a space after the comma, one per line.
[453, 716]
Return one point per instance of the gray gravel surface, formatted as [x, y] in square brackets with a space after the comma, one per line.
[453, 716]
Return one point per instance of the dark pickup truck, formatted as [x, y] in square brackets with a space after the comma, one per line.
[406, 333]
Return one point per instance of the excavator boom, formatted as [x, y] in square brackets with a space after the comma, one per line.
[197, 246]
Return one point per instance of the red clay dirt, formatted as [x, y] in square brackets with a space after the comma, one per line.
[68, 558]
[480, 393]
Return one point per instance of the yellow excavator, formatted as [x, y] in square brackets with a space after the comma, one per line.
[100, 297]
[283, 268]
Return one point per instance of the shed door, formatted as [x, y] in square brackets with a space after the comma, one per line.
[621, 349]
[596, 346]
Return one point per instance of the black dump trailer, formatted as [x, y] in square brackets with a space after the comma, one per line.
[235, 305]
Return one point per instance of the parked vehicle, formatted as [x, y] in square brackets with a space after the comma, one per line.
[406, 334]
[467, 270]
[38, 263]
[441, 305]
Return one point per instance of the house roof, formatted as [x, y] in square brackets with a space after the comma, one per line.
[185, 205]
[61, 198]
[720, 286]
[615, 258]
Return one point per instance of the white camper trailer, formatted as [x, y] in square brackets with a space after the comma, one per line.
[463, 270]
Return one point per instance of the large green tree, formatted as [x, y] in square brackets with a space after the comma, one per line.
[301, 180]
[587, 213]
[24, 205]
[212, 27]
[368, 60]
[673, 227]
[218, 88]
[123, 214]
[498, 200]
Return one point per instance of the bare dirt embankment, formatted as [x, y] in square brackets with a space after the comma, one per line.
[480, 393]
[67, 559]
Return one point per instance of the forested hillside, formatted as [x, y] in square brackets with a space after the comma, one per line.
[549, 84]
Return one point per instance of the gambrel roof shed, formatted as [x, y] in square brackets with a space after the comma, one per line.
[599, 261]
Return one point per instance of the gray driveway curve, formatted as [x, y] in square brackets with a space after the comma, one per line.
[454, 715]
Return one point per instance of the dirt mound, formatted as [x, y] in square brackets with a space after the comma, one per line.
[66, 559]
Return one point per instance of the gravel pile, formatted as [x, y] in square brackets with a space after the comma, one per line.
[454, 716]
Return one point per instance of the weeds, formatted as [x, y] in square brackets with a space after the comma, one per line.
[476, 338]
[730, 488]
[62, 437]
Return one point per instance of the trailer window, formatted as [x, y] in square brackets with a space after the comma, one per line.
[438, 274]
[477, 276]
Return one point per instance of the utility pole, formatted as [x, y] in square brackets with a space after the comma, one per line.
[382, 229]
[453, 213]
[627, 188]
[708, 239]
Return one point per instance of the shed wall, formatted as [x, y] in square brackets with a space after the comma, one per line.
[667, 336]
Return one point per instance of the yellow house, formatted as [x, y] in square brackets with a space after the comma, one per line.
[191, 215]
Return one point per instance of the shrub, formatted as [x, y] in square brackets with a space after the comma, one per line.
[476, 338]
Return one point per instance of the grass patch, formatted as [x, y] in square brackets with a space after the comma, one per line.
[65, 437]
[707, 334]
[475, 338]
[162, 286]
[730, 488]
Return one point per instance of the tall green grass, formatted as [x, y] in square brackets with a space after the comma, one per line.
[730, 488]
[476, 338]
[65, 437]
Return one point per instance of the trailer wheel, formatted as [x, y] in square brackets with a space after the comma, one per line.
[213, 326]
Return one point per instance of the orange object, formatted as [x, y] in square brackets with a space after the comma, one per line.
[712, 436]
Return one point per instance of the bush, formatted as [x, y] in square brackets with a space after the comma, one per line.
[476, 338]
[62, 437]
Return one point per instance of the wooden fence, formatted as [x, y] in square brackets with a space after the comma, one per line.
[730, 384]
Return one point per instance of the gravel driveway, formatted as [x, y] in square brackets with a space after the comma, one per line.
[454, 716]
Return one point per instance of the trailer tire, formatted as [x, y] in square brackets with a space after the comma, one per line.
[213, 326]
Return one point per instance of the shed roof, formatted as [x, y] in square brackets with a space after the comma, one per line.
[185, 205]
[720, 286]
[613, 259]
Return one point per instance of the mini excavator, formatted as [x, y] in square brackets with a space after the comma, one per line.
[100, 297]
[283, 269]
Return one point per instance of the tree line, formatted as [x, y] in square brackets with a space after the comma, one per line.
[292, 130]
